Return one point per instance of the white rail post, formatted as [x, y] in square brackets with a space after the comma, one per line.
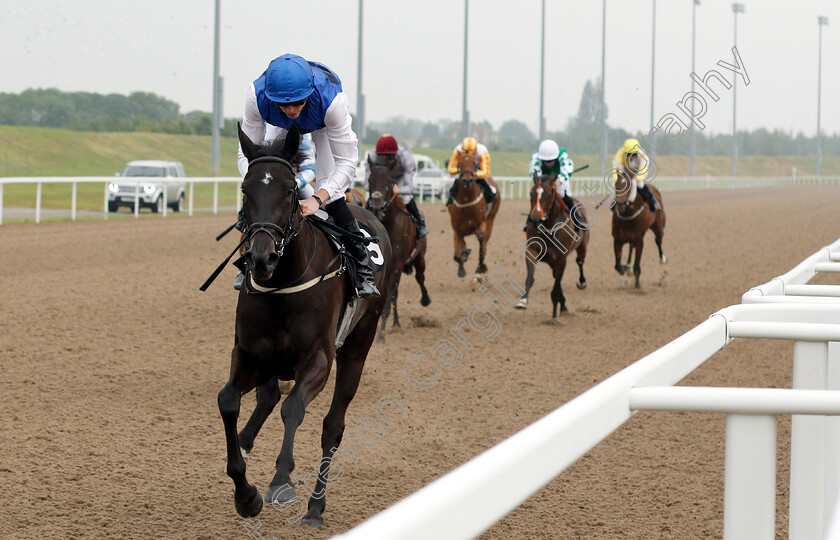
[749, 499]
[165, 196]
[105, 203]
[38, 203]
[137, 200]
[832, 445]
[215, 197]
[421, 192]
[520, 189]
[192, 184]
[73, 204]
[807, 446]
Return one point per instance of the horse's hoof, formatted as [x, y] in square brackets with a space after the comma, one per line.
[425, 301]
[251, 506]
[462, 272]
[663, 260]
[397, 324]
[381, 338]
[313, 521]
[581, 285]
[522, 304]
[280, 494]
[482, 269]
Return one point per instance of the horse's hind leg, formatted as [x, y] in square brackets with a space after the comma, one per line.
[350, 361]
[482, 251]
[308, 384]
[658, 232]
[420, 277]
[246, 498]
[386, 312]
[629, 257]
[268, 395]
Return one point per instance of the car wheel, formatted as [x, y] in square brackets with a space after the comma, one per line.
[158, 206]
[179, 205]
[113, 207]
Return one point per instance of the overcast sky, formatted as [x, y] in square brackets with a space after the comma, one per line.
[414, 54]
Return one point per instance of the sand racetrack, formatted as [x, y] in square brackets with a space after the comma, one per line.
[111, 359]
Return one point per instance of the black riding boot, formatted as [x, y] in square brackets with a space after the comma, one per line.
[417, 218]
[647, 195]
[489, 193]
[453, 192]
[365, 285]
[570, 204]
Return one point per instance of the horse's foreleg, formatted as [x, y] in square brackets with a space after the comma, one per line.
[637, 265]
[308, 384]
[386, 312]
[460, 248]
[350, 360]
[481, 235]
[617, 245]
[268, 395]
[394, 300]
[557, 291]
[420, 277]
[530, 266]
[246, 498]
[659, 231]
[581, 258]
[629, 256]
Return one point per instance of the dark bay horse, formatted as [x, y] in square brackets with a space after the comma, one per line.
[409, 253]
[551, 236]
[290, 309]
[631, 220]
[468, 214]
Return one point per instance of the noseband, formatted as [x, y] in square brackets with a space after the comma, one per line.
[544, 212]
[286, 232]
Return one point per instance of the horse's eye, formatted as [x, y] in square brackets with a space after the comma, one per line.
[291, 192]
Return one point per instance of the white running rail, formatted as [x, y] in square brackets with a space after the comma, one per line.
[470, 499]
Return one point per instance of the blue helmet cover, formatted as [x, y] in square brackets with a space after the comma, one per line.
[288, 79]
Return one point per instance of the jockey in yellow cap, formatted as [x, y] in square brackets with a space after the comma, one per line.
[633, 160]
[482, 167]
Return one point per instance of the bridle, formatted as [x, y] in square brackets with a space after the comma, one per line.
[377, 195]
[544, 212]
[289, 230]
[621, 205]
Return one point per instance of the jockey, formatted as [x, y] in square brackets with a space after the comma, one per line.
[309, 94]
[632, 159]
[387, 151]
[551, 159]
[482, 168]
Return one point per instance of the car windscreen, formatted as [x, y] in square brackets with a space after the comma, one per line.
[144, 171]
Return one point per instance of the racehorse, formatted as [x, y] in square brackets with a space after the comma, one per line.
[631, 220]
[354, 196]
[550, 230]
[291, 306]
[409, 252]
[468, 214]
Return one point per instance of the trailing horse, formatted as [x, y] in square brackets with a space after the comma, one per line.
[551, 234]
[292, 320]
[631, 220]
[469, 214]
[409, 252]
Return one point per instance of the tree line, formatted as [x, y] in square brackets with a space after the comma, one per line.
[148, 112]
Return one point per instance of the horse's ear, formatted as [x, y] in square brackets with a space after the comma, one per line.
[292, 143]
[248, 147]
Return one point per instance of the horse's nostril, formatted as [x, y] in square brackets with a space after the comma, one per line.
[272, 260]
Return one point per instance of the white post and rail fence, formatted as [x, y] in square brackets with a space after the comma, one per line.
[467, 501]
[511, 187]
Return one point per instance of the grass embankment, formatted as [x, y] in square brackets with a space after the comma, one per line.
[26, 151]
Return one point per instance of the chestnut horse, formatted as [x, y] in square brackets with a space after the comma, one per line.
[409, 252]
[551, 236]
[468, 214]
[631, 220]
[290, 310]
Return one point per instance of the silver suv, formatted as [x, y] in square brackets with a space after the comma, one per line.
[143, 181]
